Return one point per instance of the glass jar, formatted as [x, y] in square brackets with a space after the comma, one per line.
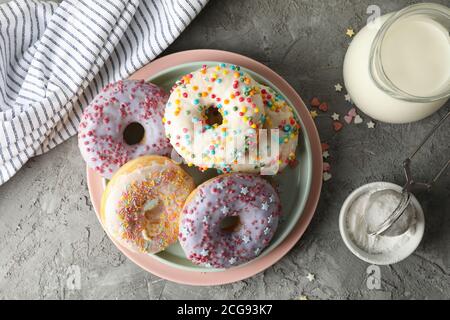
[397, 68]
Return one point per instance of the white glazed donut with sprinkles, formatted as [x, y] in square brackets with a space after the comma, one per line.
[127, 106]
[278, 115]
[209, 108]
[253, 204]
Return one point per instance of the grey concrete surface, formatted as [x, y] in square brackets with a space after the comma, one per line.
[48, 229]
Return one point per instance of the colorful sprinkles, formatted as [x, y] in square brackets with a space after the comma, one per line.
[250, 199]
[146, 210]
[220, 105]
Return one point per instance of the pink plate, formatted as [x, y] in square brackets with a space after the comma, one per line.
[96, 186]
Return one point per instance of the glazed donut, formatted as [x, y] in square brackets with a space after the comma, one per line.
[207, 109]
[278, 115]
[106, 138]
[204, 235]
[142, 203]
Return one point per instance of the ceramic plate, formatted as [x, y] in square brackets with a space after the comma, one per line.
[299, 187]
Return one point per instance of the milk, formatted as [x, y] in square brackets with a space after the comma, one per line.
[415, 55]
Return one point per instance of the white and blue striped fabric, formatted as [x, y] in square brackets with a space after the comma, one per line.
[54, 58]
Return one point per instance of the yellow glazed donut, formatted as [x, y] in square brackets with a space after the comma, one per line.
[209, 108]
[142, 203]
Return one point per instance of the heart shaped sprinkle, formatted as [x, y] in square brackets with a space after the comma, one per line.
[358, 119]
[315, 102]
[323, 107]
[348, 119]
[337, 125]
[326, 176]
[352, 112]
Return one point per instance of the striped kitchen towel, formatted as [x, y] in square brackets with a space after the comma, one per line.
[54, 58]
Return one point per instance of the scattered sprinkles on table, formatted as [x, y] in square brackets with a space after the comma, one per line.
[337, 126]
[358, 119]
[311, 277]
[314, 114]
[323, 107]
[315, 102]
[335, 116]
[327, 176]
[250, 198]
[350, 32]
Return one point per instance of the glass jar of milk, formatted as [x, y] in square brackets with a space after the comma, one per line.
[397, 68]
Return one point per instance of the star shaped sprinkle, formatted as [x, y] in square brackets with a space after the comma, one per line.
[269, 219]
[314, 114]
[327, 176]
[265, 206]
[335, 116]
[266, 231]
[246, 239]
[270, 199]
[371, 124]
[348, 98]
[232, 260]
[325, 154]
[350, 32]
[205, 219]
[257, 251]
[244, 190]
[311, 277]
[225, 210]
[219, 185]
[338, 87]
[204, 252]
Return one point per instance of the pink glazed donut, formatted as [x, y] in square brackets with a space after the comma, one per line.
[123, 122]
[229, 220]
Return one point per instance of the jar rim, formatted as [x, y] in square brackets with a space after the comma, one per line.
[376, 69]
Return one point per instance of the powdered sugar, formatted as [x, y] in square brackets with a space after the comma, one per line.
[357, 227]
[381, 250]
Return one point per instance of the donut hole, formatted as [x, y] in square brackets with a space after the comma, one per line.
[133, 133]
[152, 215]
[213, 116]
[230, 224]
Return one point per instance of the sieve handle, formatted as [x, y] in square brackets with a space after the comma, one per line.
[410, 183]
